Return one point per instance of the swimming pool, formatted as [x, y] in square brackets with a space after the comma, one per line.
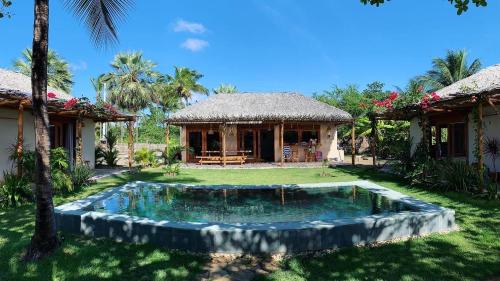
[276, 218]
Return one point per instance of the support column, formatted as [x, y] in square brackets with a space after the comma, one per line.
[479, 143]
[79, 142]
[353, 145]
[374, 141]
[167, 134]
[130, 144]
[19, 145]
[224, 145]
[282, 132]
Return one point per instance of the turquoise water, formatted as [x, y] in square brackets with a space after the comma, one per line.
[248, 205]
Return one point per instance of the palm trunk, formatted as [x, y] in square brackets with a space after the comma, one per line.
[44, 240]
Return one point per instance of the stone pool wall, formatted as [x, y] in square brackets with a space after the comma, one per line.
[290, 237]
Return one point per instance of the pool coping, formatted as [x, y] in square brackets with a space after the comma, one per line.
[427, 218]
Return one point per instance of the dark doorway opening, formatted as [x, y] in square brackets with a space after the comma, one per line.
[195, 145]
[267, 145]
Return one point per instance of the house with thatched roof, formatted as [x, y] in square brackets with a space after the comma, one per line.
[457, 123]
[72, 121]
[259, 127]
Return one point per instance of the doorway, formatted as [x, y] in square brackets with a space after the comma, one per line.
[194, 145]
[267, 145]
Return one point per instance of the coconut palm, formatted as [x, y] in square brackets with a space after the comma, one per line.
[98, 85]
[59, 75]
[100, 16]
[225, 89]
[448, 70]
[185, 83]
[130, 85]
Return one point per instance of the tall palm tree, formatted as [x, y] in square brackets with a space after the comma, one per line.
[225, 89]
[100, 16]
[448, 70]
[59, 74]
[130, 84]
[98, 85]
[185, 83]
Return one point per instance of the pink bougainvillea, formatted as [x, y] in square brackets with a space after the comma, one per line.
[51, 95]
[426, 100]
[70, 103]
[387, 102]
[110, 108]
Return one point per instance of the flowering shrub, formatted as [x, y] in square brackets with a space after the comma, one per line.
[387, 102]
[51, 95]
[426, 100]
[70, 103]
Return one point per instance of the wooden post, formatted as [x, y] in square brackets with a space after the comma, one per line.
[353, 145]
[480, 149]
[19, 146]
[130, 144]
[167, 135]
[374, 141]
[224, 145]
[282, 132]
[79, 143]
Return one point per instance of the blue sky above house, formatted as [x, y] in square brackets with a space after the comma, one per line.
[271, 45]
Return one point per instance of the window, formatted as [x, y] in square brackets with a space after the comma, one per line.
[291, 137]
[309, 135]
[459, 139]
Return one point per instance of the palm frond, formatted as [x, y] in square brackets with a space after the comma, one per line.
[100, 17]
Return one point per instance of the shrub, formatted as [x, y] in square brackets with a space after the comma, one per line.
[172, 170]
[81, 176]
[14, 190]
[146, 157]
[61, 182]
[172, 153]
[99, 155]
[111, 154]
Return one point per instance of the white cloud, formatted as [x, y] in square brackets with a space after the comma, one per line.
[194, 45]
[82, 65]
[191, 27]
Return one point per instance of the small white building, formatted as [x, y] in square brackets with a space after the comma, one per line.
[66, 125]
[451, 126]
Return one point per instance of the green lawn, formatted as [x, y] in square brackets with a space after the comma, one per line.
[473, 253]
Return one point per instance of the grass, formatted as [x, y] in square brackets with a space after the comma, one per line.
[473, 253]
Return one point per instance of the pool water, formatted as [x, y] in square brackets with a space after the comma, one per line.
[247, 205]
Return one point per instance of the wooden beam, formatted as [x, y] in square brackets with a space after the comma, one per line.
[480, 136]
[224, 145]
[374, 141]
[130, 144]
[167, 136]
[353, 145]
[282, 132]
[79, 142]
[19, 146]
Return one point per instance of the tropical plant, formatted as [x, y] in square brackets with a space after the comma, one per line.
[110, 155]
[98, 85]
[14, 190]
[146, 157]
[225, 89]
[101, 18]
[130, 84]
[172, 170]
[448, 70]
[151, 128]
[184, 83]
[460, 5]
[58, 70]
[81, 176]
[492, 149]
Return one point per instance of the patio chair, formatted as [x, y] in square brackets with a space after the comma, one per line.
[287, 153]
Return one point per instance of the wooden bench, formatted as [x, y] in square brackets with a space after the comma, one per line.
[236, 159]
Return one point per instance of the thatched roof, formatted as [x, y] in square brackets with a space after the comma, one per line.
[485, 81]
[259, 107]
[14, 82]
[15, 88]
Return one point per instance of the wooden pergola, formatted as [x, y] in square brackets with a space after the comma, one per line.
[21, 102]
[456, 103]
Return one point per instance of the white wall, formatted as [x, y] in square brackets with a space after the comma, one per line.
[88, 142]
[329, 146]
[491, 125]
[8, 137]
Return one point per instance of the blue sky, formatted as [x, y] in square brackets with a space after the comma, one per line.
[271, 45]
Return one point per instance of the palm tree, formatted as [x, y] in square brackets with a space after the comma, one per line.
[448, 70]
[225, 89]
[130, 85]
[59, 75]
[100, 17]
[185, 83]
[98, 85]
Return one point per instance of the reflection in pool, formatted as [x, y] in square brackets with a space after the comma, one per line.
[247, 205]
